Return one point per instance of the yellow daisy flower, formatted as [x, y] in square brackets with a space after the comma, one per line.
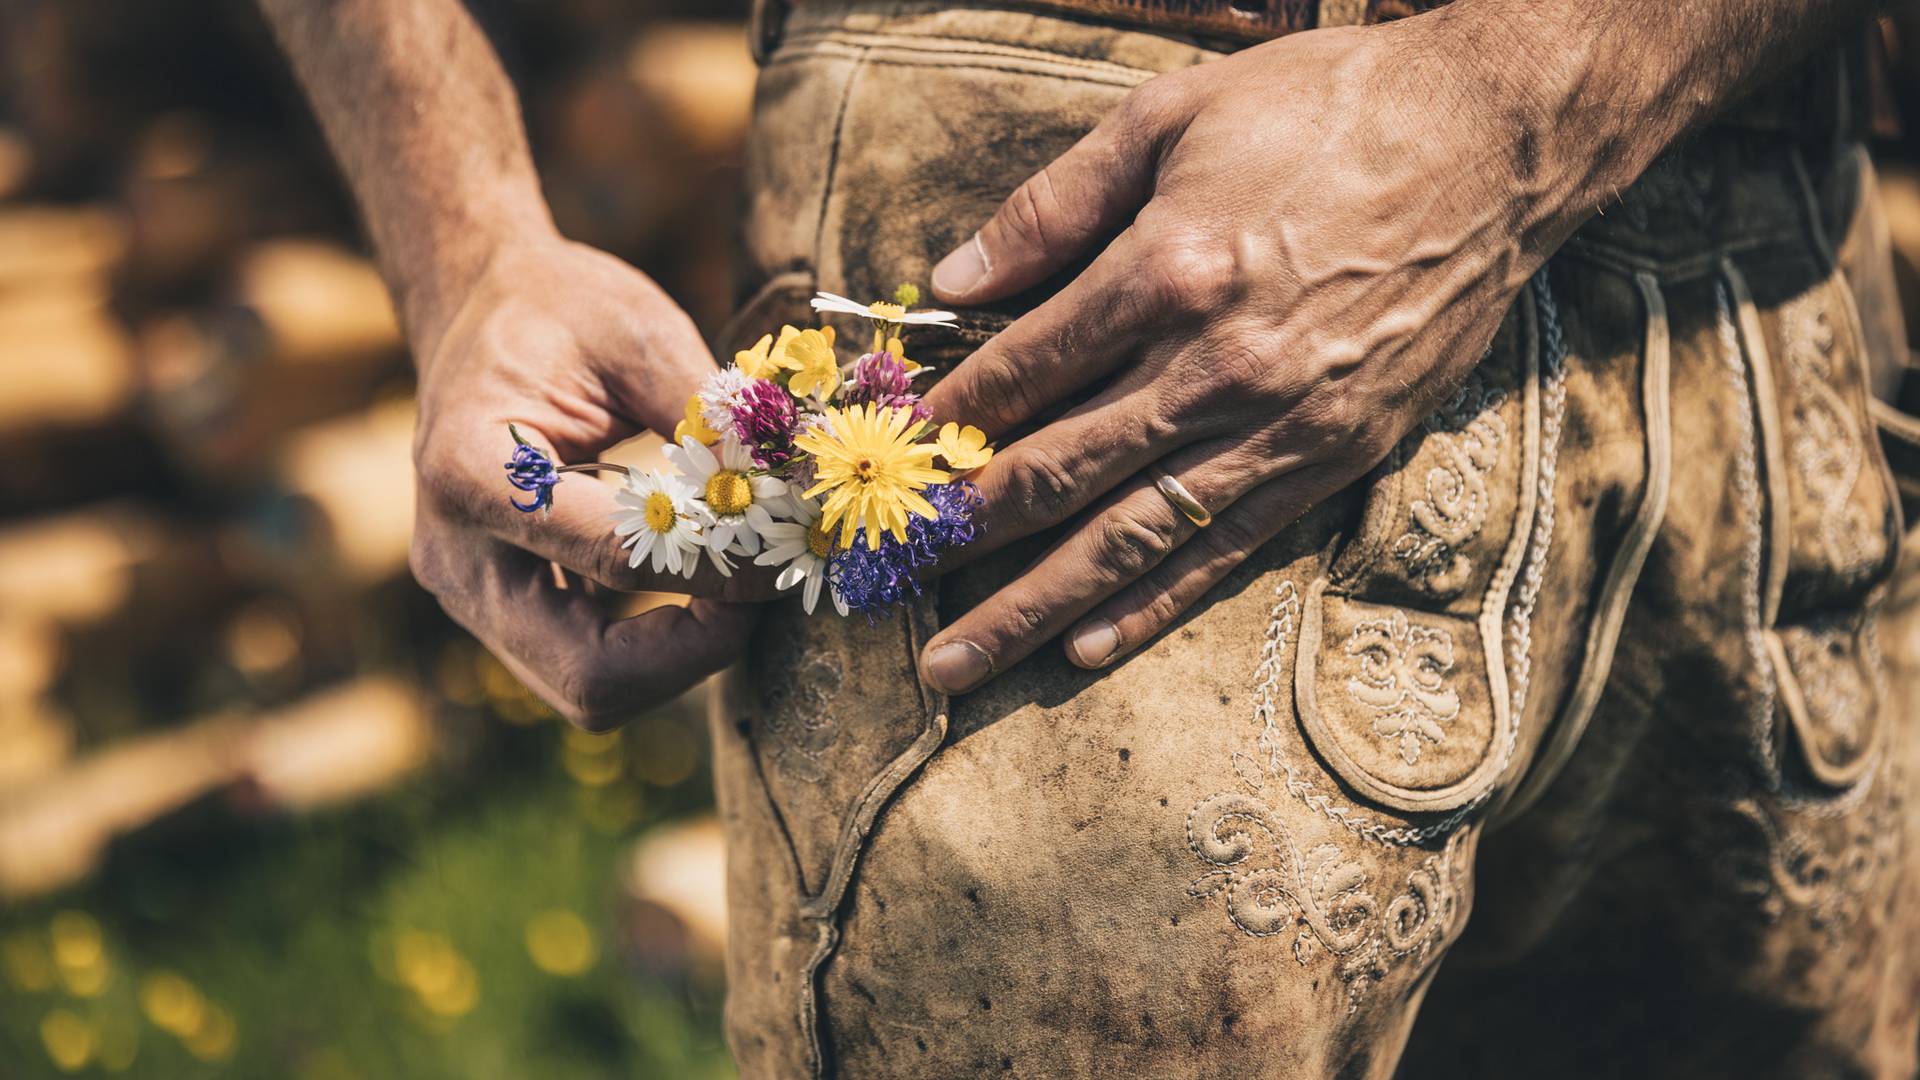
[816, 368]
[867, 461]
[695, 425]
[964, 447]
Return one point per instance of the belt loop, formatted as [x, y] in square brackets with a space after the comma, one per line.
[764, 25]
[1342, 13]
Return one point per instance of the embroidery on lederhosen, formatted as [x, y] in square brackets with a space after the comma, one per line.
[1470, 434]
[1272, 887]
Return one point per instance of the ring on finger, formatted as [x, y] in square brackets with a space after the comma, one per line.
[1182, 499]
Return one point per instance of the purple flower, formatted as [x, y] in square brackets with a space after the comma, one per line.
[765, 420]
[531, 470]
[869, 580]
[881, 378]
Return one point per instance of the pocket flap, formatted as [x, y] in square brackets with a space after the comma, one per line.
[1399, 701]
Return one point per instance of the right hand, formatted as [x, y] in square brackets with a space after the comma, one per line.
[581, 351]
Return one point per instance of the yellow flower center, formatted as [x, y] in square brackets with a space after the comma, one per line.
[729, 492]
[863, 468]
[660, 513]
[886, 312]
[819, 541]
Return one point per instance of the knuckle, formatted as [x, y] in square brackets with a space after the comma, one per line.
[1005, 387]
[1041, 486]
[1189, 275]
[1028, 618]
[1159, 610]
[1029, 210]
[1134, 543]
[589, 699]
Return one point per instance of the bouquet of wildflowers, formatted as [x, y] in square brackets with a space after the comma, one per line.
[793, 459]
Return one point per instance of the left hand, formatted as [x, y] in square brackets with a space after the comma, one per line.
[1316, 240]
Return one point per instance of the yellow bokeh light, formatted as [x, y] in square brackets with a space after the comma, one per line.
[560, 943]
[68, 1039]
[213, 1038]
[436, 972]
[76, 940]
[172, 1003]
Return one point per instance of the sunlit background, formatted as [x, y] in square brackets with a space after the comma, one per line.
[264, 812]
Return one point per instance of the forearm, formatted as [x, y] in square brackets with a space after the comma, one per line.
[426, 127]
[1589, 92]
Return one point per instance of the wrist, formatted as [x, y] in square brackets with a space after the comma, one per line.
[434, 270]
[1566, 126]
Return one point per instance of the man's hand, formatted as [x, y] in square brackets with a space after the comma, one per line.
[1311, 242]
[581, 351]
[509, 322]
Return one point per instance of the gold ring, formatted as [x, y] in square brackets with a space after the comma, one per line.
[1181, 498]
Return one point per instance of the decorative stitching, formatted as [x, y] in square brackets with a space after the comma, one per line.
[1826, 878]
[1402, 680]
[1271, 888]
[1283, 620]
[1746, 486]
[1468, 434]
[1827, 446]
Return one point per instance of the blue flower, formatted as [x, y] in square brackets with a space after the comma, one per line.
[531, 470]
[872, 579]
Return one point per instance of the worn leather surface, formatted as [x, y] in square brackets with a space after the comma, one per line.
[1603, 653]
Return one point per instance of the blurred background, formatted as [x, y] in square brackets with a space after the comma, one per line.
[264, 811]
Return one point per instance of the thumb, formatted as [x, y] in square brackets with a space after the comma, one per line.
[1088, 193]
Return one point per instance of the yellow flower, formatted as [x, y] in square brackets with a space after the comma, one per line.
[695, 425]
[885, 344]
[769, 355]
[964, 447]
[757, 363]
[866, 457]
[816, 368]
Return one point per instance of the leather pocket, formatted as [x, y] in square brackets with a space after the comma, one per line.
[1400, 683]
[1840, 534]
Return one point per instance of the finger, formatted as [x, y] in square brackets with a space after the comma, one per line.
[1057, 471]
[1083, 332]
[1133, 615]
[1130, 534]
[594, 670]
[575, 530]
[1055, 216]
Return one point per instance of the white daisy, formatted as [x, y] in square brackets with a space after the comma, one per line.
[803, 546]
[657, 518]
[732, 504]
[882, 311]
[723, 391]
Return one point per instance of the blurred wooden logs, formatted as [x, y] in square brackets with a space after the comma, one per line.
[676, 910]
[337, 744]
[310, 335]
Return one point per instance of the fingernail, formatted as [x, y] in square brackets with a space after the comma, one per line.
[960, 271]
[958, 666]
[1094, 643]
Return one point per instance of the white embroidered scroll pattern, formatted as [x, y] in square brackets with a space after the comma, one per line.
[1826, 444]
[1401, 681]
[1323, 897]
[1822, 861]
[1467, 433]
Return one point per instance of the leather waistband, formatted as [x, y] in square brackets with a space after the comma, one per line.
[1836, 94]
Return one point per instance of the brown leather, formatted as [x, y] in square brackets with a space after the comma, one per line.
[1835, 95]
